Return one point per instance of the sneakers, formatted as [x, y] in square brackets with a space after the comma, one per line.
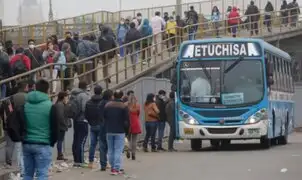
[128, 154]
[90, 165]
[172, 150]
[161, 149]
[115, 172]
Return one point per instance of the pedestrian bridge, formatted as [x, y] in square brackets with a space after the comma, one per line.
[123, 73]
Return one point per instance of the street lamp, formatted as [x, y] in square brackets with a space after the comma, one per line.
[179, 7]
[50, 13]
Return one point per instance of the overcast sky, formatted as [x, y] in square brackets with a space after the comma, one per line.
[68, 8]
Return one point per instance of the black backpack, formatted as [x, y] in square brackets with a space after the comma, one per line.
[19, 67]
[74, 107]
[13, 122]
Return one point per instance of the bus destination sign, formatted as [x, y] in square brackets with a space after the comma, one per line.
[208, 50]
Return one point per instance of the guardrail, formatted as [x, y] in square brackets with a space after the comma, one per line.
[89, 22]
[121, 70]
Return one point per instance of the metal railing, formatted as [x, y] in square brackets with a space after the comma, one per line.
[121, 70]
[89, 22]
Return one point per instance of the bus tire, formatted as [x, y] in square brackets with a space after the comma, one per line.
[196, 144]
[265, 142]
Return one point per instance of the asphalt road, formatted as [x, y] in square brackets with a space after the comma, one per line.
[241, 161]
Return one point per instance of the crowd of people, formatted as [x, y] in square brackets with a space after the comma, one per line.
[34, 125]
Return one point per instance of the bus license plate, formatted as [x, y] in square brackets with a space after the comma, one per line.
[253, 131]
[188, 131]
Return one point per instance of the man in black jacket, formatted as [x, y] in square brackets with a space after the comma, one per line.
[253, 17]
[106, 42]
[70, 41]
[116, 116]
[133, 35]
[94, 116]
[35, 56]
[161, 102]
[170, 111]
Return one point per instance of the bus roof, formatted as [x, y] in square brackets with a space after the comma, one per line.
[263, 43]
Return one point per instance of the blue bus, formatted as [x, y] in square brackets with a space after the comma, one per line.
[233, 89]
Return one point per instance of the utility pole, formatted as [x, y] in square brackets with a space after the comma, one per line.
[179, 8]
[50, 13]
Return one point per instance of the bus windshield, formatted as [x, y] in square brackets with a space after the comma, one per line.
[227, 83]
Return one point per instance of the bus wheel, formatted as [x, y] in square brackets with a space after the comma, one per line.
[282, 140]
[196, 144]
[215, 143]
[265, 143]
[225, 142]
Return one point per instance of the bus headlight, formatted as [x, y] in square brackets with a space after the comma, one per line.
[187, 118]
[258, 116]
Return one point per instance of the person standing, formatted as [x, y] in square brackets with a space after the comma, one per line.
[161, 102]
[121, 32]
[171, 33]
[131, 36]
[94, 118]
[77, 103]
[253, 14]
[5, 70]
[64, 122]
[16, 102]
[35, 55]
[170, 111]
[234, 21]
[151, 122]
[116, 116]
[157, 24]
[135, 126]
[41, 132]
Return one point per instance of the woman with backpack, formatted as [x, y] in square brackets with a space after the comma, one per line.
[146, 30]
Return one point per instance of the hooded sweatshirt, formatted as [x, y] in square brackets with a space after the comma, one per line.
[234, 17]
[40, 120]
[146, 30]
[81, 96]
[93, 112]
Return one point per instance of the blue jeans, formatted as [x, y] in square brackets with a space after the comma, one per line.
[161, 131]
[103, 147]
[3, 91]
[60, 142]
[151, 128]
[116, 143]
[192, 32]
[94, 136]
[79, 139]
[37, 158]
[120, 43]
[98, 134]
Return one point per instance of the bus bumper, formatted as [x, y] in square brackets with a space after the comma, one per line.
[245, 131]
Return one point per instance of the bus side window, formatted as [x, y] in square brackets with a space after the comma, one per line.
[269, 72]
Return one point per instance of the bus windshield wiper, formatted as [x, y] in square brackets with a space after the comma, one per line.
[206, 71]
[233, 65]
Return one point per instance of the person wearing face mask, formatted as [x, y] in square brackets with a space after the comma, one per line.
[5, 70]
[121, 31]
[76, 38]
[35, 56]
[69, 40]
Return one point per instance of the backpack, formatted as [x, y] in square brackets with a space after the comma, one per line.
[19, 66]
[74, 107]
[93, 112]
[13, 125]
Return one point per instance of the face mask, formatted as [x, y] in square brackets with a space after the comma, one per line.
[68, 37]
[1, 48]
[122, 22]
[139, 17]
[31, 46]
